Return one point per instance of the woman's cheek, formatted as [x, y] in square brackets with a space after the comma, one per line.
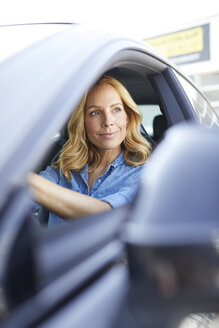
[91, 126]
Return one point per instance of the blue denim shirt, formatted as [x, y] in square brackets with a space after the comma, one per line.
[117, 186]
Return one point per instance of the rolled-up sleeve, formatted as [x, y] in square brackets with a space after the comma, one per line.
[120, 198]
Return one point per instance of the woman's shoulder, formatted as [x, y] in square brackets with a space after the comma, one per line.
[135, 165]
[127, 169]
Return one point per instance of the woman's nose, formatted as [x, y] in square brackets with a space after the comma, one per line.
[107, 120]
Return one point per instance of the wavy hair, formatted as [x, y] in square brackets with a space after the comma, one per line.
[78, 150]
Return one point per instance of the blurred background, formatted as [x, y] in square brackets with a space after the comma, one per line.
[185, 31]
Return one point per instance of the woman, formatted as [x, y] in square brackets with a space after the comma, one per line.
[100, 164]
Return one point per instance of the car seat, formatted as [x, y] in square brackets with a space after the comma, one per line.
[159, 127]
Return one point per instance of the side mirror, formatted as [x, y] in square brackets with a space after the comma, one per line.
[173, 242]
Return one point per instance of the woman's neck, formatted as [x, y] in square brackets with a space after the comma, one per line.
[106, 158]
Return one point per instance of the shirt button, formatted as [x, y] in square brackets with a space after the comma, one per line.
[99, 181]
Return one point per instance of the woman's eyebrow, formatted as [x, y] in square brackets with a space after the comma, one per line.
[116, 104]
[93, 106]
[99, 107]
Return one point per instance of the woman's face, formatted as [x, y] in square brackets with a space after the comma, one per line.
[105, 118]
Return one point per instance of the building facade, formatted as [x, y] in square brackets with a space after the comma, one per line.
[195, 48]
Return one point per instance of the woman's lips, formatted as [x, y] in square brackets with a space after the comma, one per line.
[108, 135]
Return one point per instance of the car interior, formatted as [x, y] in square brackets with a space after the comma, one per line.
[152, 104]
[154, 122]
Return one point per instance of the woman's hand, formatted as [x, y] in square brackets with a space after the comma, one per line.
[63, 202]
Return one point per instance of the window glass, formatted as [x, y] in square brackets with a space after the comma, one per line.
[204, 112]
[148, 113]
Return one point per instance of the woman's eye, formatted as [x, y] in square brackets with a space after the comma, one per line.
[94, 113]
[117, 109]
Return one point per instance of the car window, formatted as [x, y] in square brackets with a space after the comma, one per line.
[202, 108]
[149, 112]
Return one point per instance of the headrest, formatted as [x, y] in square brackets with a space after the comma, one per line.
[159, 126]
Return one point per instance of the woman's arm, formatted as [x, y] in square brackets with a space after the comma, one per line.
[63, 202]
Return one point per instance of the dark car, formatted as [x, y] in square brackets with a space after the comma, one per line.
[78, 274]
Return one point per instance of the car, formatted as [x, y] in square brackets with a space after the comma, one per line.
[78, 274]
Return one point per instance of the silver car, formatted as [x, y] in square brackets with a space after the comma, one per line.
[78, 275]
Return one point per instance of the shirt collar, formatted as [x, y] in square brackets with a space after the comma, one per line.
[118, 161]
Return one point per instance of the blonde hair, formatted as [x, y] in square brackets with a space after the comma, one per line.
[78, 150]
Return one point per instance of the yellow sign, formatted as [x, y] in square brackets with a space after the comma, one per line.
[179, 43]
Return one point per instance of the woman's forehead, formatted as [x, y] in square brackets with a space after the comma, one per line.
[102, 92]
